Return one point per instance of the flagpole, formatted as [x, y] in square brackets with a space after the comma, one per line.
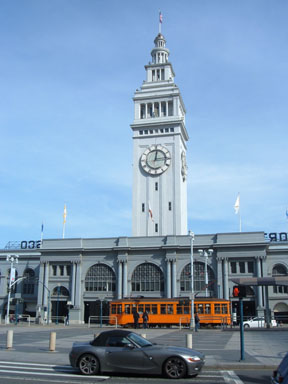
[64, 221]
[42, 227]
[160, 21]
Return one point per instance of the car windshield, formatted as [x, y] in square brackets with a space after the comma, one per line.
[139, 340]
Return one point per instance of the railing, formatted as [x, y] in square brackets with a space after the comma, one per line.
[24, 318]
[187, 321]
[100, 320]
[58, 319]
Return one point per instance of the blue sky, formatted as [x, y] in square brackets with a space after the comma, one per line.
[68, 72]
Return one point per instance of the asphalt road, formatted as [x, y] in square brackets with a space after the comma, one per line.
[22, 373]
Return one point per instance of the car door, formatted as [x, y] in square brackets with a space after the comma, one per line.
[122, 356]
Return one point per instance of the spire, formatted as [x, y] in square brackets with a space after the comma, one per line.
[160, 53]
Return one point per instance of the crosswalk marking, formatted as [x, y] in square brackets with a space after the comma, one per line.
[65, 371]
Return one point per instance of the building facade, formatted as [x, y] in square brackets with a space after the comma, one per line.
[81, 276]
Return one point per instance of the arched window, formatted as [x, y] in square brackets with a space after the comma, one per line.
[198, 278]
[60, 291]
[100, 278]
[280, 270]
[29, 282]
[147, 277]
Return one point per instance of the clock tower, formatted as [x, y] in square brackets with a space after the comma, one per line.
[159, 151]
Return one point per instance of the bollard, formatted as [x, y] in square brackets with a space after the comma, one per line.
[189, 340]
[52, 344]
[9, 339]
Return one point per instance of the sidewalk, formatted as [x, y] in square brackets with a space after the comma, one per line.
[263, 349]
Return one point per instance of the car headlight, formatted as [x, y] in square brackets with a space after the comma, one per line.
[193, 359]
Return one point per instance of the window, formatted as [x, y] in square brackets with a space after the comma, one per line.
[233, 267]
[60, 291]
[29, 282]
[143, 207]
[61, 270]
[68, 270]
[224, 308]
[199, 278]
[250, 267]
[280, 270]
[242, 266]
[147, 277]
[156, 227]
[100, 278]
[156, 186]
[217, 309]
[54, 270]
[170, 206]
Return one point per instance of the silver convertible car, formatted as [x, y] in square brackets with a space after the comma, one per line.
[123, 351]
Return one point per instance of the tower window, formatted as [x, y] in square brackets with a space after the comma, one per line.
[156, 186]
[156, 227]
[143, 207]
[170, 206]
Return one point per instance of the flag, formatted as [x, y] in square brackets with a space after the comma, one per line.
[160, 17]
[64, 214]
[150, 212]
[237, 204]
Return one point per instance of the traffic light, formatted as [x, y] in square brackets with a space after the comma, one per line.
[236, 291]
[239, 291]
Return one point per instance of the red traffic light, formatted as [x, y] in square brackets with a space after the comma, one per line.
[236, 291]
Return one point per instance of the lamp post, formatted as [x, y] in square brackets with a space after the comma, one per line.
[49, 300]
[192, 320]
[12, 259]
[206, 253]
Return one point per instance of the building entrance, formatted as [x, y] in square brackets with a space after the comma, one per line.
[98, 308]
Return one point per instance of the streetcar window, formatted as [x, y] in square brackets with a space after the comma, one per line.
[163, 309]
[186, 309]
[140, 308]
[148, 308]
[113, 309]
[207, 308]
[170, 309]
[154, 309]
[224, 308]
[127, 308]
[217, 308]
[179, 309]
[200, 308]
[119, 308]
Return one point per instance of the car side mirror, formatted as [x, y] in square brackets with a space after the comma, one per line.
[130, 346]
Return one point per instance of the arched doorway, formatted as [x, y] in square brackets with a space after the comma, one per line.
[60, 296]
[281, 313]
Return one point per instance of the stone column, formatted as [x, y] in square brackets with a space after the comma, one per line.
[219, 278]
[119, 279]
[73, 282]
[226, 282]
[168, 279]
[260, 308]
[40, 285]
[174, 278]
[78, 285]
[125, 278]
[46, 283]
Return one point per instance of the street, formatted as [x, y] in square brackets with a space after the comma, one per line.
[15, 372]
[31, 361]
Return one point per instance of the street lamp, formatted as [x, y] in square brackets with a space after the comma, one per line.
[206, 253]
[192, 320]
[12, 259]
[49, 300]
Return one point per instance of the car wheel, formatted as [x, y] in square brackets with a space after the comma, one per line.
[246, 326]
[175, 368]
[89, 364]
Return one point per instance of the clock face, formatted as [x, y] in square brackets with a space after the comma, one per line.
[155, 160]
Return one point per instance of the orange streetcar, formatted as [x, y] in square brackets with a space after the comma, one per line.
[168, 312]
